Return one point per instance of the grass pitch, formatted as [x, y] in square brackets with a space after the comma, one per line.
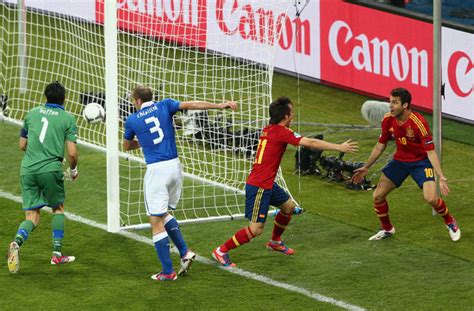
[418, 269]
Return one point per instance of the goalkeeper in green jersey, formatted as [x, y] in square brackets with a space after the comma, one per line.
[46, 130]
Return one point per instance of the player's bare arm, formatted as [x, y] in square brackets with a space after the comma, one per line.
[22, 143]
[361, 172]
[73, 155]
[130, 144]
[347, 147]
[202, 105]
[443, 181]
[73, 158]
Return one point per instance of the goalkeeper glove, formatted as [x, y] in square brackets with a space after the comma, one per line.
[71, 173]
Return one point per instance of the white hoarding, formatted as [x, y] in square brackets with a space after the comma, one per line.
[303, 55]
[458, 73]
[254, 24]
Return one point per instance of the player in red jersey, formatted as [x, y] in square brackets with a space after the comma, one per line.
[261, 191]
[415, 156]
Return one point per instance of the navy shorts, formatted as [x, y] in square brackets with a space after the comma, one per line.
[258, 200]
[421, 171]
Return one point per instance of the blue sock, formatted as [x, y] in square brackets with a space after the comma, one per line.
[58, 232]
[24, 230]
[172, 227]
[162, 246]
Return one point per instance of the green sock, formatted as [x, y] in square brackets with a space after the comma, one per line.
[58, 232]
[24, 230]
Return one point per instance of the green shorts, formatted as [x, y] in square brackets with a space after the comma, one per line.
[44, 189]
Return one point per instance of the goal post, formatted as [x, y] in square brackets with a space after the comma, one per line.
[182, 49]
[112, 128]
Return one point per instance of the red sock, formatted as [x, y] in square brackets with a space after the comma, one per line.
[381, 209]
[281, 221]
[441, 208]
[243, 236]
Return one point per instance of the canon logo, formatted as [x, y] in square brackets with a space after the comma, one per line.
[461, 74]
[261, 25]
[377, 56]
[184, 11]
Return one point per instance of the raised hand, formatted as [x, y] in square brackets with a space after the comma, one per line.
[349, 146]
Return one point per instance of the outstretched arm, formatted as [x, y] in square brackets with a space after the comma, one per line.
[361, 172]
[202, 105]
[443, 181]
[314, 143]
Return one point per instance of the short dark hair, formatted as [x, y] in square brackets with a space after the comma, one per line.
[143, 92]
[55, 93]
[404, 95]
[279, 108]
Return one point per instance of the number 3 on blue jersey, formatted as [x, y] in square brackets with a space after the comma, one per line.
[155, 129]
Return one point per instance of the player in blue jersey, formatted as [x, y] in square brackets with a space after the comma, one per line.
[152, 125]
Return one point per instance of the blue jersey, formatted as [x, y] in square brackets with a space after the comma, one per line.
[153, 127]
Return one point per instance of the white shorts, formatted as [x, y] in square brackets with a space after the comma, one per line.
[162, 186]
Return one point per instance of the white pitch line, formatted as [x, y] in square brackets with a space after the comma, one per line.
[203, 260]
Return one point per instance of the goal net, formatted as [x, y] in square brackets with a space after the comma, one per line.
[178, 50]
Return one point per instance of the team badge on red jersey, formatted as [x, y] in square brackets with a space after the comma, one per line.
[410, 132]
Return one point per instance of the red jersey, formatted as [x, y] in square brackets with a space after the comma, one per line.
[413, 137]
[271, 147]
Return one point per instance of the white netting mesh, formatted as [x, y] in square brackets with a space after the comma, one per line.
[179, 57]
[56, 47]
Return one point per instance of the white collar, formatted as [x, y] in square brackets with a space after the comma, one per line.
[147, 104]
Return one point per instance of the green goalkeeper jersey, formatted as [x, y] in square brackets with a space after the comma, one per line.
[47, 129]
